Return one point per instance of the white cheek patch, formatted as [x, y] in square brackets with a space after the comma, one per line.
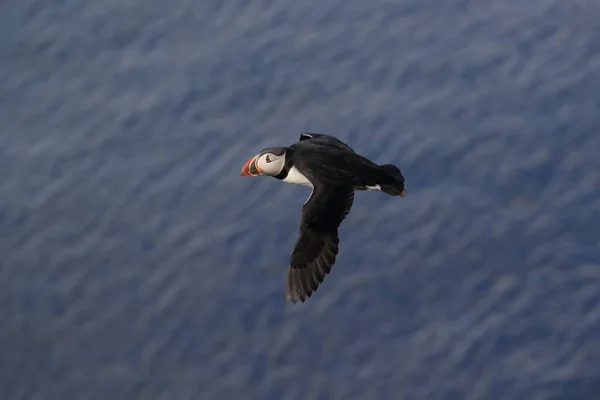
[278, 165]
[272, 168]
[376, 187]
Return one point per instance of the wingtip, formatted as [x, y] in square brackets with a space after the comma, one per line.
[287, 298]
[297, 288]
[288, 289]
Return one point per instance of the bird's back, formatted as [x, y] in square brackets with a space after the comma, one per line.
[329, 160]
[327, 140]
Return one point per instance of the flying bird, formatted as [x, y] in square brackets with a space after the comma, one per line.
[334, 171]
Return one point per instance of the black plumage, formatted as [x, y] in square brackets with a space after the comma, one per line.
[316, 247]
[335, 171]
[327, 160]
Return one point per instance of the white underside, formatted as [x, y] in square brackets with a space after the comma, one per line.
[376, 187]
[296, 177]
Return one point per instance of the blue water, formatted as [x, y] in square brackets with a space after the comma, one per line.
[136, 263]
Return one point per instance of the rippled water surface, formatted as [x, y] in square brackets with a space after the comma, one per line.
[136, 263]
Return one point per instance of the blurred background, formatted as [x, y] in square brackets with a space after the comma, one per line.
[136, 262]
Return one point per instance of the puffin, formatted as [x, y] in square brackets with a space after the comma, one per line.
[333, 170]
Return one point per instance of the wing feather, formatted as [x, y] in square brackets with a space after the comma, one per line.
[325, 139]
[317, 244]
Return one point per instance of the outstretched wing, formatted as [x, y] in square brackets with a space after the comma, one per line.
[316, 247]
[325, 139]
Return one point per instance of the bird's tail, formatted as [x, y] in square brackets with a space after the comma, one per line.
[397, 187]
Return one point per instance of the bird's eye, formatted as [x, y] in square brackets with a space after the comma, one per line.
[268, 159]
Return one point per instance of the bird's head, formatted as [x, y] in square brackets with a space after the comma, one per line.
[269, 162]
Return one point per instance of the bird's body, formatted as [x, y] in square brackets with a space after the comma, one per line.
[334, 171]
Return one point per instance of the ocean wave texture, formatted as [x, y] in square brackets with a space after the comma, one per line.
[136, 262]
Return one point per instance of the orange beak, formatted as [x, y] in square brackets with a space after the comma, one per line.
[250, 168]
[402, 193]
